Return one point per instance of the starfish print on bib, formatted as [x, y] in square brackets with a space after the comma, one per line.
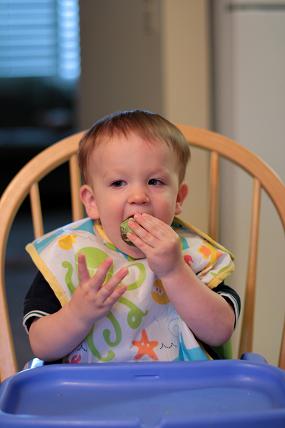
[145, 347]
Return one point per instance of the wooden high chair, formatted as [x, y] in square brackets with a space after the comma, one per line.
[26, 183]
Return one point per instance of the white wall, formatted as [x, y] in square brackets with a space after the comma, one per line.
[149, 54]
[186, 89]
[250, 105]
[121, 58]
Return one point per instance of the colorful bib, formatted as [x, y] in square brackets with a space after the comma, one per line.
[143, 325]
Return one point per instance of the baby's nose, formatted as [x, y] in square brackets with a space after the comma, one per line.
[138, 195]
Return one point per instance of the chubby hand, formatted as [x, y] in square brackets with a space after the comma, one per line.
[93, 298]
[158, 241]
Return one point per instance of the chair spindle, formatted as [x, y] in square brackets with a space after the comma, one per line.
[36, 210]
[246, 340]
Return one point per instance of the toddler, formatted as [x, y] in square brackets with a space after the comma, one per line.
[157, 295]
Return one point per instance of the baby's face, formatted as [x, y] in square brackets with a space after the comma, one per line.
[130, 175]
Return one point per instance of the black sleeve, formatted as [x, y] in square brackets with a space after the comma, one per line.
[231, 296]
[40, 300]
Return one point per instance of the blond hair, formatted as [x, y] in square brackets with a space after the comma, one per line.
[149, 126]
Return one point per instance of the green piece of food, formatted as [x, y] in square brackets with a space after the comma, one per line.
[125, 228]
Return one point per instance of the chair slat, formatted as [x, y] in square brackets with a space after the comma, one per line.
[281, 362]
[36, 210]
[75, 182]
[8, 363]
[213, 194]
[246, 340]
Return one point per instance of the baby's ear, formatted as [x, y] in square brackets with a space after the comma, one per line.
[88, 199]
[181, 195]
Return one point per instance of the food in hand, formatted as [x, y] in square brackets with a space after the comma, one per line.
[125, 229]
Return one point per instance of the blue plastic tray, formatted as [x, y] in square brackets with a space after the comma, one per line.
[145, 395]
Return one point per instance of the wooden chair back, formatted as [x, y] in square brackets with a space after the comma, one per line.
[26, 183]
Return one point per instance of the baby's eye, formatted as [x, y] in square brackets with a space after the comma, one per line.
[155, 182]
[118, 183]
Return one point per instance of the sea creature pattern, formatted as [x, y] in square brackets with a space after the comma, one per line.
[137, 327]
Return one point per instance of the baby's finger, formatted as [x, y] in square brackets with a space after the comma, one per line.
[113, 285]
[140, 243]
[146, 220]
[83, 273]
[157, 228]
[115, 295]
[98, 279]
[142, 233]
[150, 223]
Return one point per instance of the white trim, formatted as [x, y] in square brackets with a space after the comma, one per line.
[33, 314]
